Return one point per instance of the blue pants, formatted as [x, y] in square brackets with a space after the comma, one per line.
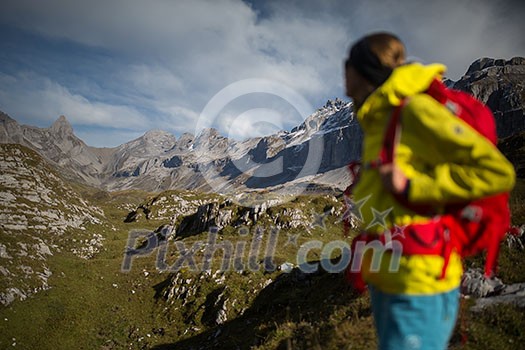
[421, 322]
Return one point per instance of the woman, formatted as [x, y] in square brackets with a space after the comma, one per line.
[438, 160]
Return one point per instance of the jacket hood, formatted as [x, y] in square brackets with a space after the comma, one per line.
[405, 81]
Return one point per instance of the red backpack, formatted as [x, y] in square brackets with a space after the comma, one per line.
[481, 224]
[474, 227]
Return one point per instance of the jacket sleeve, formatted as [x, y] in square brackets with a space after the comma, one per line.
[456, 163]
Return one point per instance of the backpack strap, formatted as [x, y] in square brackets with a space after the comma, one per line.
[386, 156]
[392, 135]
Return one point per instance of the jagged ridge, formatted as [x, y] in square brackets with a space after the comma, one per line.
[314, 152]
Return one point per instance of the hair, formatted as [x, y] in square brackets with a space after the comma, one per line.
[388, 48]
[376, 55]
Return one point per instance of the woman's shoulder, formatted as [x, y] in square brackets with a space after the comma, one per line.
[422, 101]
[422, 106]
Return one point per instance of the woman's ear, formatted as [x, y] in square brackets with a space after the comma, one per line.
[357, 87]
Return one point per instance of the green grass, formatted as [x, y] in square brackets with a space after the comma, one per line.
[93, 305]
[83, 303]
[517, 202]
[497, 327]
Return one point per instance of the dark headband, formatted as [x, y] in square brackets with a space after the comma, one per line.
[367, 63]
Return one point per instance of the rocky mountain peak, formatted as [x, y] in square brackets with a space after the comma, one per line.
[209, 138]
[185, 141]
[208, 132]
[335, 104]
[486, 62]
[5, 118]
[61, 127]
[317, 120]
[152, 142]
[156, 134]
[500, 84]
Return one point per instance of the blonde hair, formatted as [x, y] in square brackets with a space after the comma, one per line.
[388, 48]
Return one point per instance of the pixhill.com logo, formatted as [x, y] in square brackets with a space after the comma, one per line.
[250, 254]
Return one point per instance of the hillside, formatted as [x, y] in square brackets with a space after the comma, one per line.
[40, 215]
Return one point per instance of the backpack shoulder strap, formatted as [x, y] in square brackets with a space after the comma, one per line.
[392, 134]
[387, 152]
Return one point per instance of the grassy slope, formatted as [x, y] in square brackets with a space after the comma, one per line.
[93, 305]
[82, 305]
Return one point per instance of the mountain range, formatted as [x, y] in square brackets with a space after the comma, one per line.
[314, 152]
[158, 160]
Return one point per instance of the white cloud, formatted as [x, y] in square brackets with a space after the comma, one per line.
[153, 80]
[178, 27]
[254, 122]
[31, 97]
[205, 42]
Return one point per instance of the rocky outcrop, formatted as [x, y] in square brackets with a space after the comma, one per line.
[492, 291]
[207, 216]
[501, 85]
[190, 215]
[204, 299]
[170, 206]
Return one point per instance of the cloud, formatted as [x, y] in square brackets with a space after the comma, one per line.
[36, 98]
[454, 32]
[156, 64]
[180, 54]
[207, 41]
[149, 28]
[256, 122]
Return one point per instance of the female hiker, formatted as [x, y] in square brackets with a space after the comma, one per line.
[438, 159]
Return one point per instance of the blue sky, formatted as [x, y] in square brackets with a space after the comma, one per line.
[117, 68]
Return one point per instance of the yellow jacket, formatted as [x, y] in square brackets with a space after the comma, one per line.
[445, 160]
